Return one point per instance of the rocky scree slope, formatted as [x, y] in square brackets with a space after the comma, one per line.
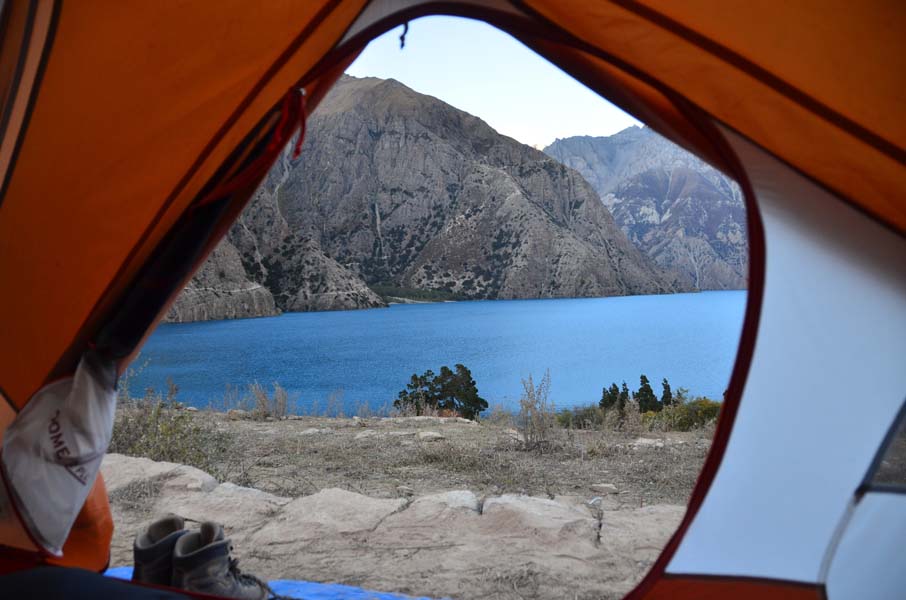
[686, 215]
[398, 188]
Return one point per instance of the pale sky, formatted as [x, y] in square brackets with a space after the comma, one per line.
[485, 72]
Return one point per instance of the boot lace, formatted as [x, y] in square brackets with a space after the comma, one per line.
[245, 578]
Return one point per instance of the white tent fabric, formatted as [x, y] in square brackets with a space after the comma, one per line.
[826, 381]
[53, 451]
[868, 561]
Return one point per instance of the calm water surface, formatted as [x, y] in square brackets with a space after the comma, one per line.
[691, 339]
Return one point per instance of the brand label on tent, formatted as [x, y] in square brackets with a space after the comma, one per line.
[53, 450]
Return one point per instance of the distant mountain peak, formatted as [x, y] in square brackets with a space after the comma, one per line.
[682, 212]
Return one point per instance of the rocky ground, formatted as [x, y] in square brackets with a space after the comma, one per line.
[427, 506]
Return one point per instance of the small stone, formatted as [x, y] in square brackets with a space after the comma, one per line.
[314, 431]
[646, 442]
[429, 436]
[604, 488]
[401, 433]
[513, 434]
[365, 434]
[191, 409]
[405, 490]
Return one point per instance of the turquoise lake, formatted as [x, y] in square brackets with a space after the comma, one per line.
[691, 339]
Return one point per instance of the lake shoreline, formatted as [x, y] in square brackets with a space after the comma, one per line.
[367, 357]
[398, 301]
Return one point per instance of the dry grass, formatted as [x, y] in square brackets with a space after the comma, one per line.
[264, 445]
[157, 428]
[137, 496]
[378, 457]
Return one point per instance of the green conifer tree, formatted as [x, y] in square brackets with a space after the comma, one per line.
[465, 393]
[609, 397]
[645, 396]
[667, 395]
[623, 399]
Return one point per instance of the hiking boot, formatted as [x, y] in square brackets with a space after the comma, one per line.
[152, 551]
[202, 563]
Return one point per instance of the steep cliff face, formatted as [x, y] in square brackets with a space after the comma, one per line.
[407, 190]
[222, 290]
[686, 215]
[289, 263]
[397, 188]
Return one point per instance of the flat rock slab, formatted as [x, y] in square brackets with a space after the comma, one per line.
[329, 512]
[604, 488]
[450, 544]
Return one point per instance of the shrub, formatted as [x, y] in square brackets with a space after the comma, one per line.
[701, 412]
[536, 419]
[696, 414]
[582, 417]
[256, 402]
[153, 427]
[334, 404]
[276, 406]
[631, 421]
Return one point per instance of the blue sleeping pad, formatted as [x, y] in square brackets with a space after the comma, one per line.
[306, 590]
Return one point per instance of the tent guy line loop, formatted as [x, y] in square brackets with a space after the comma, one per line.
[403, 35]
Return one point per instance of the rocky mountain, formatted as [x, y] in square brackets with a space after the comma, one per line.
[400, 189]
[222, 289]
[289, 263]
[686, 215]
[405, 189]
